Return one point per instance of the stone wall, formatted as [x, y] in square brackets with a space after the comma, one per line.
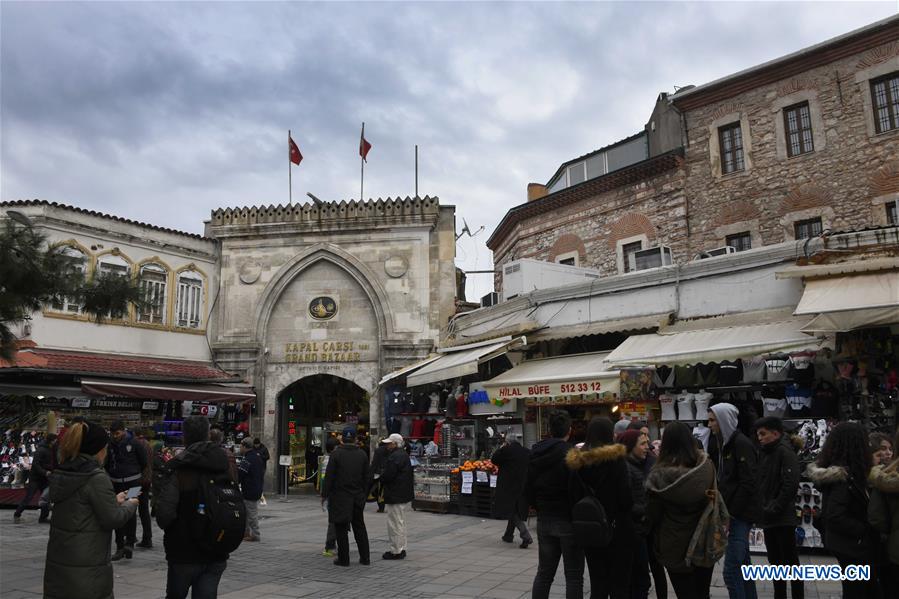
[846, 180]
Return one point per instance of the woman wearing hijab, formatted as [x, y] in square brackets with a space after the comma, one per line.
[85, 512]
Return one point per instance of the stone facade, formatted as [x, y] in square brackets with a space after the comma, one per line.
[386, 265]
[846, 181]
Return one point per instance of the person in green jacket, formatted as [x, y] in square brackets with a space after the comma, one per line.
[883, 515]
[85, 512]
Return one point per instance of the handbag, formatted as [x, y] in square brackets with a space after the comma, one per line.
[709, 540]
[588, 519]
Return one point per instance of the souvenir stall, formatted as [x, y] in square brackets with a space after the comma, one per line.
[440, 408]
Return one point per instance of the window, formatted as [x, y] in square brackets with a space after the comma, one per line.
[76, 262]
[805, 229]
[892, 216]
[730, 139]
[577, 173]
[189, 302]
[568, 261]
[885, 100]
[739, 241]
[798, 129]
[113, 265]
[627, 250]
[152, 284]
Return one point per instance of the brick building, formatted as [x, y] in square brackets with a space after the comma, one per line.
[781, 151]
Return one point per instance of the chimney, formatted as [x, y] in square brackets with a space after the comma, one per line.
[536, 191]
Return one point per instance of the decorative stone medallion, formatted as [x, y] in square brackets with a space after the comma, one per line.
[249, 272]
[396, 266]
[322, 308]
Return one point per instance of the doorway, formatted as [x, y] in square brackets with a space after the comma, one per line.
[311, 410]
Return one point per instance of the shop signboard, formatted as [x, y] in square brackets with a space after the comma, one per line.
[198, 408]
[555, 389]
[81, 402]
[150, 406]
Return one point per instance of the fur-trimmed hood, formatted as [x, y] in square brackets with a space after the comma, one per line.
[884, 481]
[826, 476]
[583, 458]
[680, 484]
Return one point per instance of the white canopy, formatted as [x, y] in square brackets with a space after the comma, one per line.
[461, 361]
[851, 302]
[551, 377]
[693, 346]
[407, 369]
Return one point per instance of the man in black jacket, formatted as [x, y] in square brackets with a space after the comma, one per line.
[125, 463]
[778, 483]
[736, 460]
[345, 488]
[399, 490]
[190, 566]
[375, 471]
[250, 474]
[547, 491]
[38, 478]
[509, 502]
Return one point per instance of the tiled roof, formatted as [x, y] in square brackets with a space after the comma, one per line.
[12, 203]
[38, 359]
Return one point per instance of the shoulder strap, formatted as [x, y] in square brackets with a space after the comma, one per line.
[583, 484]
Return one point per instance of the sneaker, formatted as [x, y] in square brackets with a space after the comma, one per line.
[328, 553]
[506, 539]
[146, 544]
[392, 556]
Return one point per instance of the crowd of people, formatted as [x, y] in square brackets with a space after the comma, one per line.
[626, 509]
[633, 515]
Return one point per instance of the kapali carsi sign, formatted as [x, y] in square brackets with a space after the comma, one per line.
[322, 308]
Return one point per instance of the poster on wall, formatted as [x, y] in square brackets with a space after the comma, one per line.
[636, 385]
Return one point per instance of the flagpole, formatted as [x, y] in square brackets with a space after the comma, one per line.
[362, 164]
[289, 173]
[416, 171]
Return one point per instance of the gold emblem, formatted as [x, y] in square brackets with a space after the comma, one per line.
[322, 308]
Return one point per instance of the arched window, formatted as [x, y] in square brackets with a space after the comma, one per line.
[189, 302]
[77, 262]
[113, 265]
[153, 279]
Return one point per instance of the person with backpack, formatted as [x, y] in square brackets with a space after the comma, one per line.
[841, 474]
[736, 459]
[547, 490]
[202, 515]
[509, 502]
[677, 497]
[778, 483]
[599, 489]
[883, 515]
[125, 463]
[85, 512]
[344, 489]
[250, 472]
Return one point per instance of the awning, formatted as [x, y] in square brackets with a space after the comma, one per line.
[838, 268]
[407, 369]
[851, 302]
[167, 391]
[460, 361]
[674, 347]
[552, 377]
[635, 323]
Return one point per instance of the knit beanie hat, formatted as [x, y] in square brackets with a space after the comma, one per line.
[621, 426]
[629, 439]
[93, 438]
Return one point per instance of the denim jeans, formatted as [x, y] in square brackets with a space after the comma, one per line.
[516, 522]
[736, 555]
[555, 539]
[201, 579]
[780, 543]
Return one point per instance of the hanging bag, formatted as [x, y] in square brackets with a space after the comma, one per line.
[588, 519]
[709, 540]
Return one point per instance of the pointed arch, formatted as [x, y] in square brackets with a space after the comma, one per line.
[354, 267]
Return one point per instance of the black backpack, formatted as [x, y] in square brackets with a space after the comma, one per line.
[588, 519]
[221, 526]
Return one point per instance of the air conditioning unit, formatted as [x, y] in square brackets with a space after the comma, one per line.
[526, 275]
[722, 251]
[651, 258]
[491, 299]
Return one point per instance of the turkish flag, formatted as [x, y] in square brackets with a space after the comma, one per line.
[364, 146]
[295, 155]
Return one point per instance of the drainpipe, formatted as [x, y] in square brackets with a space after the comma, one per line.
[676, 291]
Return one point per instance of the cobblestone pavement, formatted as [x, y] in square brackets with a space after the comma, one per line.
[449, 556]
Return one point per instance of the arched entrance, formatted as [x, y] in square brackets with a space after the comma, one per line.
[311, 409]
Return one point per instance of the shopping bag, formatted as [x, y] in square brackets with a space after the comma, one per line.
[709, 540]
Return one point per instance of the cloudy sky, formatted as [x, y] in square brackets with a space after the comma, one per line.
[164, 111]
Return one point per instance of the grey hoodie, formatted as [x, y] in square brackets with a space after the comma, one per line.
[727, 415]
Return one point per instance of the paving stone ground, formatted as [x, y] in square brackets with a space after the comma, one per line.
[450, 556]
